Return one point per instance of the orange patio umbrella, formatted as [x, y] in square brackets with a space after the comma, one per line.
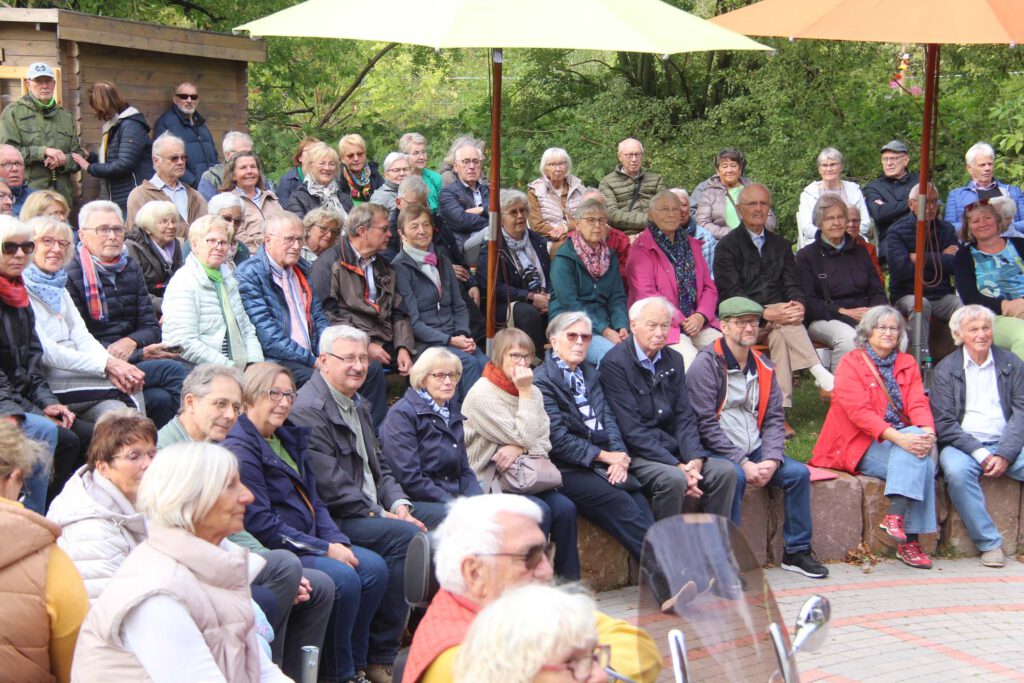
[932, 22]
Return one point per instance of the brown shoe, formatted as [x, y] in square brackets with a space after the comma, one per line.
[790, 432]
[378, 673]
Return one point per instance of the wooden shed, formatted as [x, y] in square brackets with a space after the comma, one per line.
[144, 61]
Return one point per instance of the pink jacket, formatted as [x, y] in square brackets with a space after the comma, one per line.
[649, 273]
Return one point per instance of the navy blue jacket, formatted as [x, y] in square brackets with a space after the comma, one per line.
[572, 442]
[452, 203]
[287, 513]
[653, 411]
[199, 146]
[902, 242]
[265, 305]
[893, 194]
[129, 310]
[286, 184]
[376, 180]
[427, 456]
[509, 283]
[435, 318]
[129, 158]
[851, 276]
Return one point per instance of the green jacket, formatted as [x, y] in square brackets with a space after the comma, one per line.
[573, 289]
[629, 198]
[27, 126]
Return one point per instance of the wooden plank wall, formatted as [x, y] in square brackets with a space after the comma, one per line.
[21, 45]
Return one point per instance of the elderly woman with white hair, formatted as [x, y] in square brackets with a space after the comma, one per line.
[78, 368]
[422, 436]
[830, 168]
[880, 424]
[554, 197]
[230, 207]
[179, 607]
[534, 634]
[323, 226]
[209, 322]
[415, 146]
[396, 167]
[153, 244]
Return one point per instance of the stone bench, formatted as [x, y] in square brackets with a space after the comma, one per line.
[1004, 499]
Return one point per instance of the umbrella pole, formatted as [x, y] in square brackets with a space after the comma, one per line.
[495, 202]
[930, 86]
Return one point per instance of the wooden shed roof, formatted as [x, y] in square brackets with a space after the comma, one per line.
[88, 28]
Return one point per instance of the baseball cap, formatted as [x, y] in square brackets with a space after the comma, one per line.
[39, 70]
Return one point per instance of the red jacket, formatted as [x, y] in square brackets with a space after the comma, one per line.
[650, 273]
[444, 626]
[857, 415]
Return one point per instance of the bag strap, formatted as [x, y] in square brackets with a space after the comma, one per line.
[819, 271]
[874, 371]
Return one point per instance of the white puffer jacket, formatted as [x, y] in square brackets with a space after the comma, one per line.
[99, 527]
[194, 319]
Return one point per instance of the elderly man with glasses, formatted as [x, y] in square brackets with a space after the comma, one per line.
[464, 203]
[628, 189]
[184, 121]
[887, 195]
[12, 172]
[168, 185]
[109, 290]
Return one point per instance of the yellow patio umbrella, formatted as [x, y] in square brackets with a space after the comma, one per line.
[605, 25]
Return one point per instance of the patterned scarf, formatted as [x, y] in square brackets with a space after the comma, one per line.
[327, 194]
[92, 269]
[524, 254]
[48, 288]
[13, 293]
[885, 370]
[596, 261]
[444, 411]
[574, 380]
[427, 261]
[235, 343]
[297, 296]
[681, 257]
[360, 187]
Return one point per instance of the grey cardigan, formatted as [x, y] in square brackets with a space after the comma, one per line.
[949, 394]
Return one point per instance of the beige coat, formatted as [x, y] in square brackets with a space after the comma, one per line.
[496, 418]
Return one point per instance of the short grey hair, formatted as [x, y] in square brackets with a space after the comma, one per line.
[510, 197]
[390, 160]
[872, 318]
[416, 185]
[591, 204]
[202, 226]
[225, 200]
[640, 304]
[406, 142]
[968, 314]
[227, 145]
[286, 217]
[979, 148]
[681, 193]
[43, 226]
[322, 215]
[915, 191]
[826, 202]
[152, 212]
[661, 195]
[164, 140]
[830, 154]
[459, 143]
[555, 154]
[473, 527]
[428, 361]
[563, 321]
[97, 206]
[198, 383]
[182, 485]
[362, 217]
[12, 227]
[624, 141]
[336, 333]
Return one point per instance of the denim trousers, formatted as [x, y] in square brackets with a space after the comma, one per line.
[44, 430]
[599, 346]
[905, 475]
[795, 481]
[962, 474]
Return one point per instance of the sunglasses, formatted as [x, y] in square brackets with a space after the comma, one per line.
[574, 337]
[532, 557]
[11, 248]
[187, 97]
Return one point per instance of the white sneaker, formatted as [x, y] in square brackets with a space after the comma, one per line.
[993, 558]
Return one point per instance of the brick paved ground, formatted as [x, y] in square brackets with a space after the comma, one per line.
[959, 621]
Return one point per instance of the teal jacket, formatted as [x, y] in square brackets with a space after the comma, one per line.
[573, 289]
[27, 126]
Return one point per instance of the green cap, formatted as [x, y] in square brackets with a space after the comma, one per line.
[736, 306]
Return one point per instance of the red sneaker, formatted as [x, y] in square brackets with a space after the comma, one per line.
[912, 555]
[893, 526]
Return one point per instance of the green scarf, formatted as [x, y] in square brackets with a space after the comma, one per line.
[45, 105]
[236, 345]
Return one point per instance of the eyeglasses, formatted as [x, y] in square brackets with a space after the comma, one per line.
[107, 230]
[8, 165]
[323, 228]
[744, 324]
[889, 161]
[557, 164]
[829, 164]
[354, 155]
[214, 243]
[49, 242]
[575, 337]
[11, 248]
[399, 169]
[633, 155]
[234, 221]
[175, 158]
[471, 162]
[299, 239]
[442, 376]
[885, 329]
[134, 457]
[581, 667]
[532, 557]
[189, 96]
[519, 358]
[276, 395]
[7, 195]
[327, 164]
[594, 221]
[222, 404]
[350, 359]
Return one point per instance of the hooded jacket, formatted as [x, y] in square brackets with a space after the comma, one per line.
[129, 157]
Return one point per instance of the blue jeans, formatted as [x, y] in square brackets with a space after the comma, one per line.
[357, 594]
[905, 475]
[472, 369]
[560, 523]
[162, 390]
[962, 474]
[795, 481]
[598, 347]
[41, 429]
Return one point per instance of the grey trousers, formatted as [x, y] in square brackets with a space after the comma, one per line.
[943, 309]
[665, 486]
[834, 334]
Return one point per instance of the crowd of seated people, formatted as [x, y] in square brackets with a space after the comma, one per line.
[644, 366]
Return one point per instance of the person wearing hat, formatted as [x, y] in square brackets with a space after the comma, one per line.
[738, 405]
[43, 132]
[886, 195]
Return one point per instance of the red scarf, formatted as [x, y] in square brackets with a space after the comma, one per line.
[444, 626]
[596, 261]
[13, 292]
[500, 379]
